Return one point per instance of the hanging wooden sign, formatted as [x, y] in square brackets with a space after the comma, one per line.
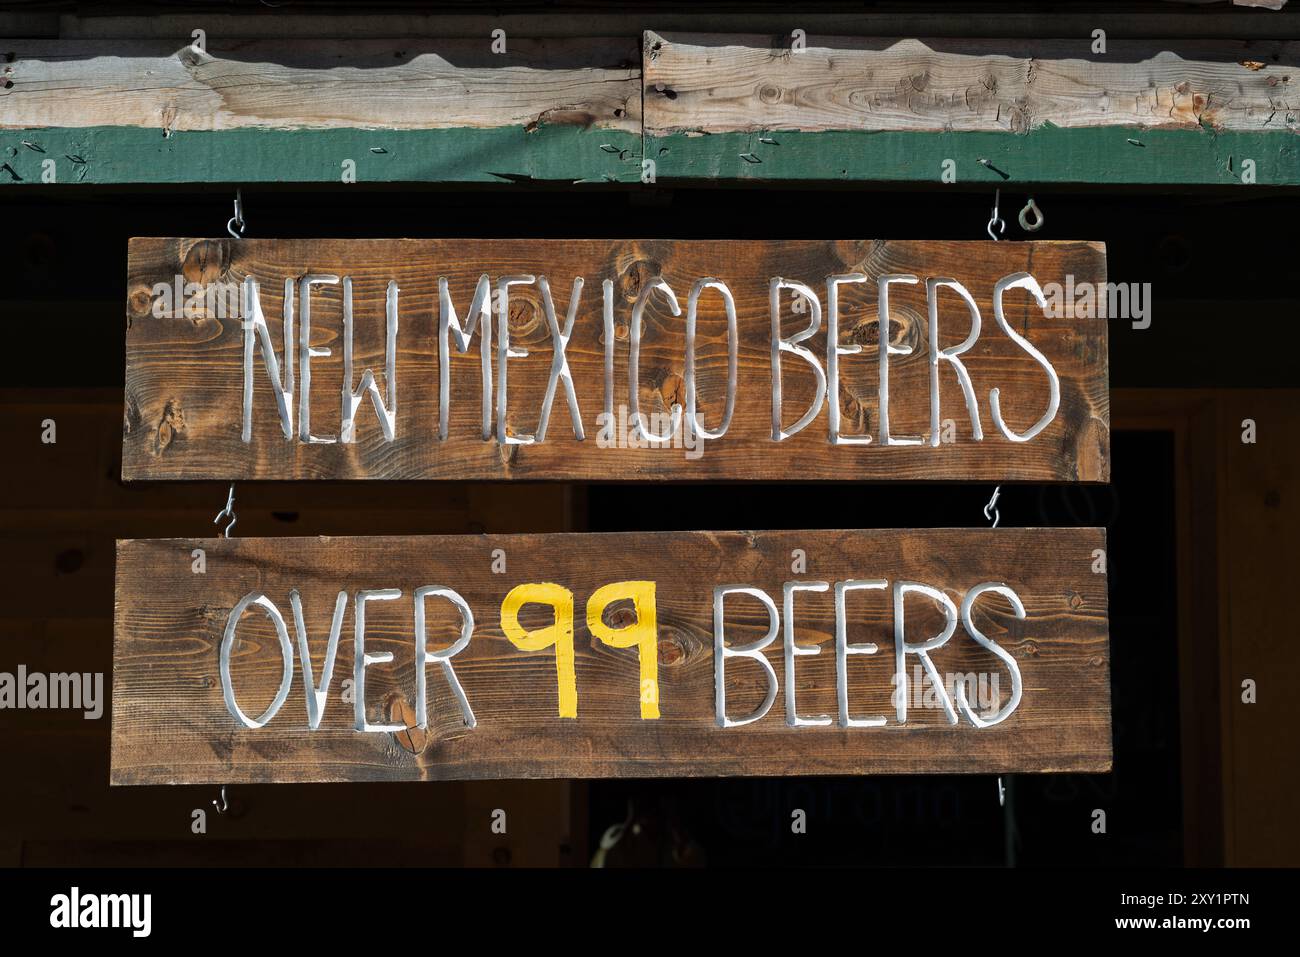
[587, 655]
[627, 359]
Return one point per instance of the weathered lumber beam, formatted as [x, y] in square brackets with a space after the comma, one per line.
[859, 109]
[321, 111]
[569, 110]
[597, 655]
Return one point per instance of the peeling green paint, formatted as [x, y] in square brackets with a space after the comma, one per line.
[133, 155]
[573, 155]
[1049, 154]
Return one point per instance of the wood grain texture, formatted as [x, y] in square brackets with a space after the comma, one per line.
[716, 84]
[170, 724]
[58, 521]
[323, 84]
[1259, 528]
[869, 109]
[184, 377]
[277, 111]
[122, 108]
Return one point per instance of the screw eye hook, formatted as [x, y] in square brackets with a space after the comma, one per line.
[1039, 219]
[235, 225]
[995, 220]
[221, 804]
[991, 509]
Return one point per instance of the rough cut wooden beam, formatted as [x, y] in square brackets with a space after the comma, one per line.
[281, 111]
[844, 108]
[96, 111]
[713, 84]
[637, 711]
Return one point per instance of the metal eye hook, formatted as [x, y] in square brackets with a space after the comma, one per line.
[995, 220]
[228, 512]
[235, 225]
[1039, 218]
[993, 515]
[992, 507]
[613, 834]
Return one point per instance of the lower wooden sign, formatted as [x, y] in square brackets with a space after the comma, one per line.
[628, 654]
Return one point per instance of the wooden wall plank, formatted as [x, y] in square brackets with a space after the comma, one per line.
[1259, 532]
[843, 108]
[194, 366]
[283, 111]
[171, 725]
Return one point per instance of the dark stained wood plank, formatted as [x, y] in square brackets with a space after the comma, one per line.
[1259, 528]
[171, 723]
[185, 376]
[982, 18]
[59, 517]
[67, 797]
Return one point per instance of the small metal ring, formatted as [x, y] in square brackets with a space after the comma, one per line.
[1039, 218]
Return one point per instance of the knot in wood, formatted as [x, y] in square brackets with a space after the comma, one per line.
[670, 651]
[170, 427]
[205, 261]
[634, 278]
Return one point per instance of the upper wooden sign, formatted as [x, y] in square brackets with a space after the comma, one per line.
[630, 654]
[616, 359]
